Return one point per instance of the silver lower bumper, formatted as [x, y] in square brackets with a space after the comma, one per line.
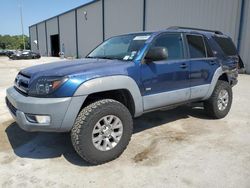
[62, 111]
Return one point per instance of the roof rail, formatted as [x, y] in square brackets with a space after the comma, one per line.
[196, 29]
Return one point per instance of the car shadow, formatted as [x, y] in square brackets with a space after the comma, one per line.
[42, 145]
[52, 145]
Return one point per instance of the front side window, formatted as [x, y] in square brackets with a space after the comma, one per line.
[173, 44]
[196, 46]
[123, 47]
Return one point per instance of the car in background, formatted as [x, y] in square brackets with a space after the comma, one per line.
[2, 52]
[10, 52]
[25, 55]
[7, 52]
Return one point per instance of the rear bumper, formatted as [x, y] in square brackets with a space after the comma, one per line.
[62, 111]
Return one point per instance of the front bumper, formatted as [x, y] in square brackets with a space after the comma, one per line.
[62, 111]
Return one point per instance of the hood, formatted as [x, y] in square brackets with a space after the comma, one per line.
[78, 67]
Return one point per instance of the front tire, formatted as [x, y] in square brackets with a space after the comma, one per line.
[102, 131]
[219, 104]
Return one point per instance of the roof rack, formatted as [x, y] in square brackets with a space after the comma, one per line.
[196, 29]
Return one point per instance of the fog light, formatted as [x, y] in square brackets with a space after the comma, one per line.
[41, 119]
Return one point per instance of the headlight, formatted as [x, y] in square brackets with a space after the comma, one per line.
[46, 85]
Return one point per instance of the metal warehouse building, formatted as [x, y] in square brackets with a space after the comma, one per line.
[77, 31]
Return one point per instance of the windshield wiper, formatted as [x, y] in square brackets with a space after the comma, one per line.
[104, 57]
[90, 57]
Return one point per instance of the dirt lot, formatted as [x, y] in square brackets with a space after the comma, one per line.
[176, 148]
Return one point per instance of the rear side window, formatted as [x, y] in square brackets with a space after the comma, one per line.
[226, 45]
[173, 43]
[196, 46]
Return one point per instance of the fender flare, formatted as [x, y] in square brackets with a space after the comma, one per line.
[113, 83]
[214, 81]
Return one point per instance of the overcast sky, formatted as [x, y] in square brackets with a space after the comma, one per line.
[33, 11]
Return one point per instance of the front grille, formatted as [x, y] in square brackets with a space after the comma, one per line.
[10, 106]
[21, 92]
[22, 83]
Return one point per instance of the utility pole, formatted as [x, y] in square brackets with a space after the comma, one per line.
[21, 16]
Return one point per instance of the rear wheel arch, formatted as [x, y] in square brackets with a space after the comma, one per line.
[224, 77]
[218, 75]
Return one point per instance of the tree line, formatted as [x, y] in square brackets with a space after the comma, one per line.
[14, 42]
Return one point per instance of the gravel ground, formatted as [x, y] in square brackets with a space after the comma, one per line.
[175, 148]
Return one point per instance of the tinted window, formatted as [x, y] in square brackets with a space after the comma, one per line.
[209, 50]
[226, 45]
[196, 46]
[173, 43]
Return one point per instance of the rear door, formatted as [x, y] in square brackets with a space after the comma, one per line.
[202, 65]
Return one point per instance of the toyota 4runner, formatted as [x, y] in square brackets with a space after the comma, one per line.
[96, 98]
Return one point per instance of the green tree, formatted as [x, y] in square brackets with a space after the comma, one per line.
[14, 42]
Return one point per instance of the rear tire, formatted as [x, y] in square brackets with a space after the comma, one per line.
[219, 104]
[88, 134]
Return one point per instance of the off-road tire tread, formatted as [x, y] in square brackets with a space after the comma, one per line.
[81, 123]
[210, 105]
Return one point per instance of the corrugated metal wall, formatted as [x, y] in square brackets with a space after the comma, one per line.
[220, 15]
[33, 38]
[67, 32]
[105, 18]
[122, 16]
[42, 39]
[52, 29]
[245, 39]
[89, 26]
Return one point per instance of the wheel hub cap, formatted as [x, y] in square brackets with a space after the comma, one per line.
[107, 133]
[223, 99]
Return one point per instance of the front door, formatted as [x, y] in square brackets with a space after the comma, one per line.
[166, 82]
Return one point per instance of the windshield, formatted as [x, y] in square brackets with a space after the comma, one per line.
[123, 47]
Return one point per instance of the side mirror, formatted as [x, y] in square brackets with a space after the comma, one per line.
[157, 54]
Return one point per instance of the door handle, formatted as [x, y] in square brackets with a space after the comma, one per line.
[183, 66]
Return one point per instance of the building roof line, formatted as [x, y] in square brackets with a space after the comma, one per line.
[91, 2]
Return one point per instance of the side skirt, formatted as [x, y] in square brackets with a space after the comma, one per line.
[170, 107]
[186, 95]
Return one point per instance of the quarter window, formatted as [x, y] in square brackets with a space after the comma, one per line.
[173, 43]
[196, 46]
[226, 45]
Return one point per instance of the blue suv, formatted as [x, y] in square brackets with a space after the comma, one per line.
[96, 98]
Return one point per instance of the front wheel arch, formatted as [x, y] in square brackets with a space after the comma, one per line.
[121, 95]
[113, 83]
